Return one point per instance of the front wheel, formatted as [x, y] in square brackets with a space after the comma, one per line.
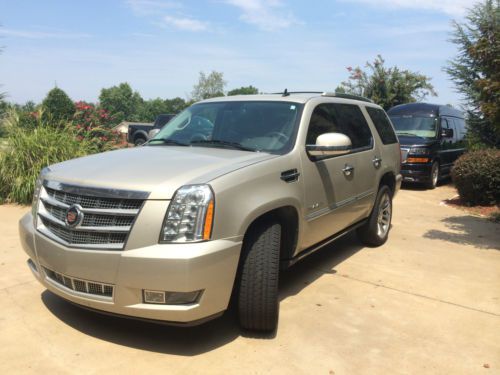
[434, 176]
[139, 141]
[258, 304]
[376, 230]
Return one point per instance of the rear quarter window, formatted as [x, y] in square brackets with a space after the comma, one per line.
[383, 125]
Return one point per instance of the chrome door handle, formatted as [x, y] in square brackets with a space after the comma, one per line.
[348, 169]
[376, 162]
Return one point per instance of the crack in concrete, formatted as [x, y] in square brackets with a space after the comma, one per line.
[417, 295]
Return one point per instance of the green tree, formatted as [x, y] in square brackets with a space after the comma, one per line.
[244, 90]
[121, 102]
[153, 107]
[386, 86]
[476, 71]
[209, 86]
[57, 106]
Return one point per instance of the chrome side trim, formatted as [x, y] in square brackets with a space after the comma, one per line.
[337, 205]
[95, 191]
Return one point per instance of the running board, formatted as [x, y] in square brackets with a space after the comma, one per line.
[286, 263]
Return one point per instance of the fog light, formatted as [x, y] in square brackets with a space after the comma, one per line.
[154, 296]
[171, 298]
[182, 298]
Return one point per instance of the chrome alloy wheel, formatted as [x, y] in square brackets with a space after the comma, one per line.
[435, 173]
[384, 215]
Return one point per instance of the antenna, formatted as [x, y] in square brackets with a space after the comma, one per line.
[286, 93]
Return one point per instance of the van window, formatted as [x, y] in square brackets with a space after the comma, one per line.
[340, 118]
[383, 125]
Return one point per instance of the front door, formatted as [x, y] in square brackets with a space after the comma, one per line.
[337, 188]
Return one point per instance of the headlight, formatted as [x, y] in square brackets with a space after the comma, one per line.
[419, 151]
[190, 215]
[36, 193]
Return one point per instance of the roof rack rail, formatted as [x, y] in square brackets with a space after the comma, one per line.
[287, 93]
[347, 96]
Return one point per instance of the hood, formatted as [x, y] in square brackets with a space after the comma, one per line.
[407, 140]
[160, 170]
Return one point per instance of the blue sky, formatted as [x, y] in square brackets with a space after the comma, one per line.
[160, 46]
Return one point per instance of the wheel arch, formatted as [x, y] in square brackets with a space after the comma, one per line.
[388, 179]
[288, 216]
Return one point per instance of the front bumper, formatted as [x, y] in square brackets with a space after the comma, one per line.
[416, 172]
[209, 267]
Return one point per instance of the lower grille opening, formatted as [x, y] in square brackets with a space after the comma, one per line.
[78, 285]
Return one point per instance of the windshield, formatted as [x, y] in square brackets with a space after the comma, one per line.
[424, 127]
[244, 125]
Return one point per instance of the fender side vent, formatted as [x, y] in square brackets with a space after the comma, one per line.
[290, 175]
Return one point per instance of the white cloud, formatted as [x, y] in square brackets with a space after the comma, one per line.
[34, 34]
[450, 7]
[147, 7]
[266, 15]
[185, 23]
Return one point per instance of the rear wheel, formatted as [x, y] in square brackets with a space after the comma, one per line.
[376, 230]
[434, 176]
[258, 305]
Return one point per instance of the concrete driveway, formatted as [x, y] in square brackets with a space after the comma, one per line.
[426, 302]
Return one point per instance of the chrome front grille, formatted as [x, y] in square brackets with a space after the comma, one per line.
[104, 220]
[79, 285]
[404, 154]
[94, 202]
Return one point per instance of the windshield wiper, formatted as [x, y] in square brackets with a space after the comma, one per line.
[218, 142]
[168, 141]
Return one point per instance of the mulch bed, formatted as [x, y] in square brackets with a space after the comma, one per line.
[485, 211]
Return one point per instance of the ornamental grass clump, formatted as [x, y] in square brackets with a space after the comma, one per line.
[30, 150]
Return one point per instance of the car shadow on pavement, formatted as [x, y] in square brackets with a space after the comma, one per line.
[192, 341]
[468, 230]
[305, 272]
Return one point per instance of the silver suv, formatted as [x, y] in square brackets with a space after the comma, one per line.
[229, 192]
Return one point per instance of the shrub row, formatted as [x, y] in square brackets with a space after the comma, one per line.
[476, 175]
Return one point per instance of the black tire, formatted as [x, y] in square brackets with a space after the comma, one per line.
[139, 141]
[258, 305]
[433, 176]
[370, 233]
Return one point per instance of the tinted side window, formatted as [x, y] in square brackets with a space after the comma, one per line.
[383, 125]
[321, 122]
[340, 118]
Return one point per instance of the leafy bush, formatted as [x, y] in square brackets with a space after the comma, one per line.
[30, 150]
[477, 177]
[94, 125]
[58, 105]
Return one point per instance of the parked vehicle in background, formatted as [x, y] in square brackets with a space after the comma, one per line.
[239, 186]
[159, 123]
[431, 138]
[139, 133]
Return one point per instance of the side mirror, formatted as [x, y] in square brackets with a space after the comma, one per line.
[330, 144]
[447, 133]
